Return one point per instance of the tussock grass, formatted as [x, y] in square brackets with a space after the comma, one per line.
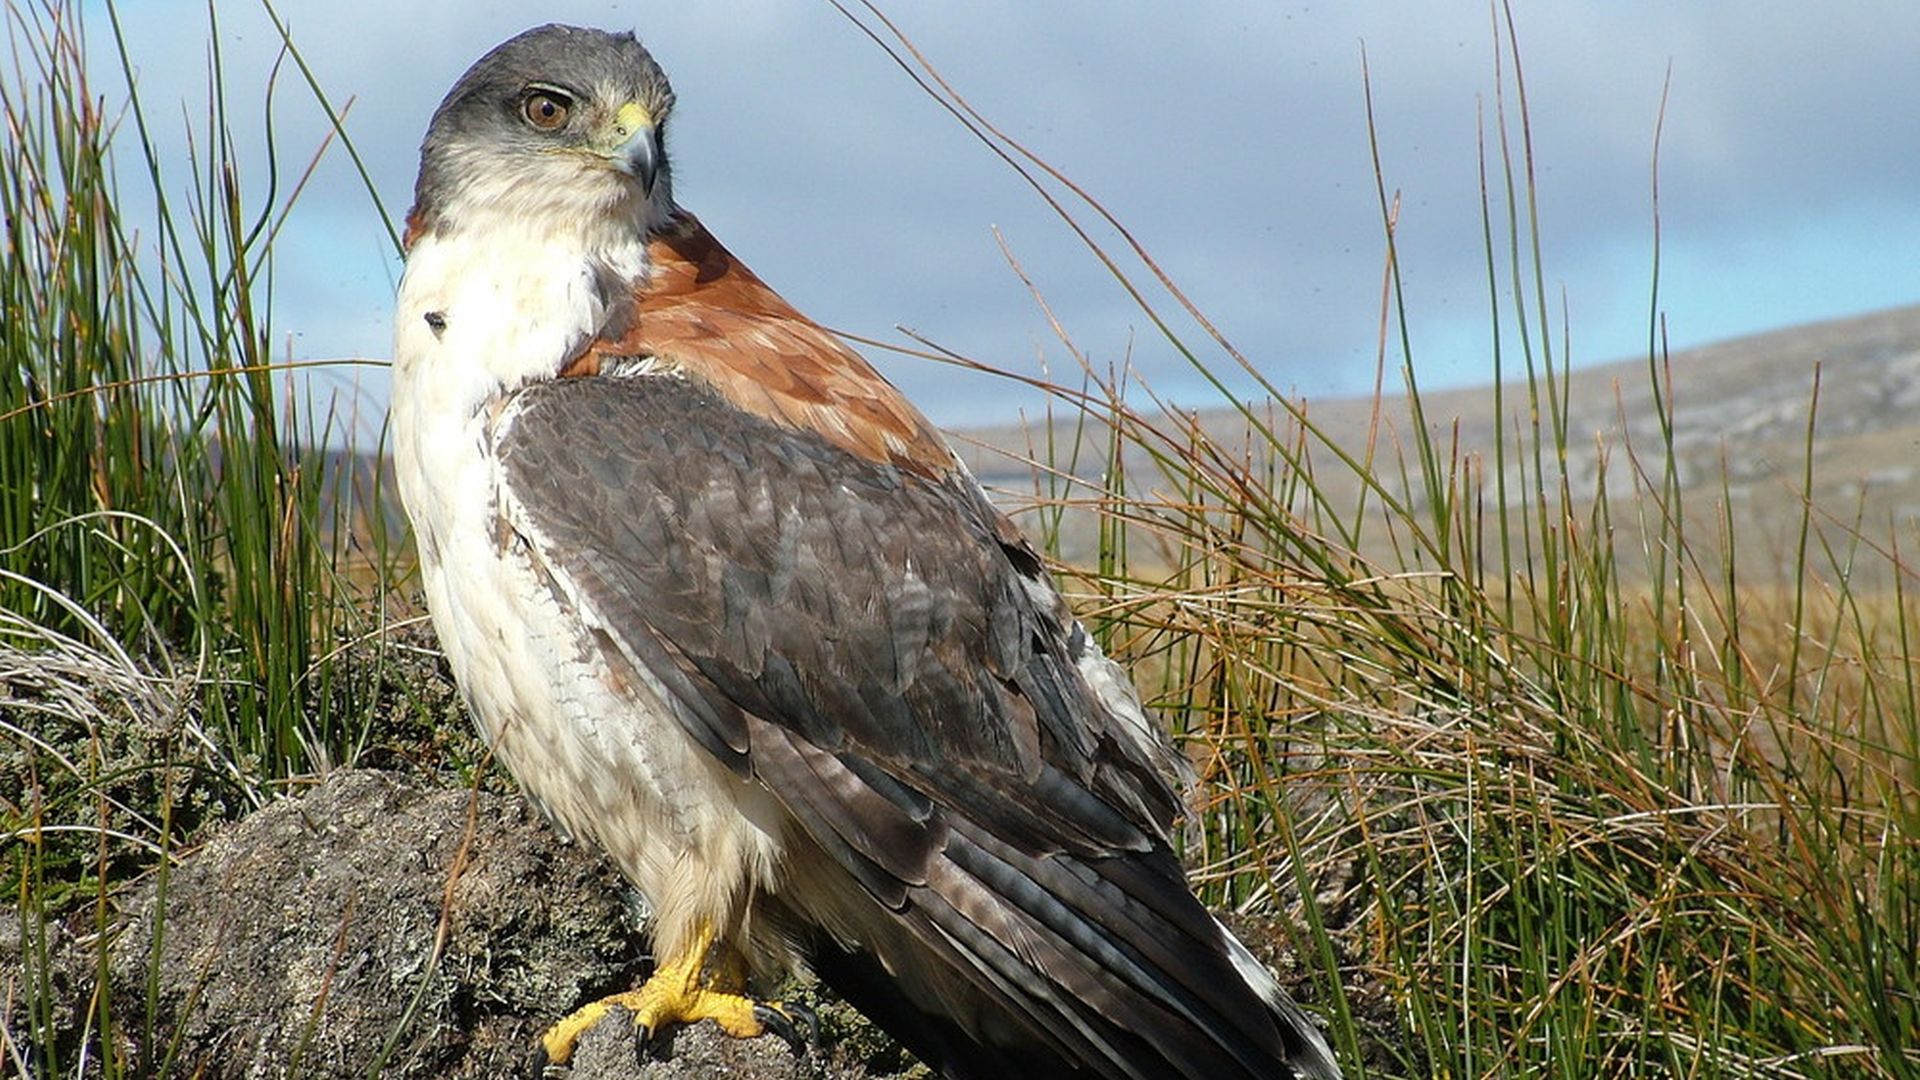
[157, 467]
[190, 589]
[1581, 798]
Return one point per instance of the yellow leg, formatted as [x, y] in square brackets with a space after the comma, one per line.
[682, 990]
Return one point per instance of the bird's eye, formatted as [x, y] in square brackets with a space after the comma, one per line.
[546, 109]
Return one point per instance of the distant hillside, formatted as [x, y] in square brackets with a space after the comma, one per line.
[1739, 408]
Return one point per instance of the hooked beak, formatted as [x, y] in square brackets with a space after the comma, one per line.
[635, 146]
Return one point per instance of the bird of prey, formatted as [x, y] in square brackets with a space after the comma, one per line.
[726, 605]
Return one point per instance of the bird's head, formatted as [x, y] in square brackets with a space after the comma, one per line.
[560, 126]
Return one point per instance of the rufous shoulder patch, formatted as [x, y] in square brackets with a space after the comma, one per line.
[702, 311]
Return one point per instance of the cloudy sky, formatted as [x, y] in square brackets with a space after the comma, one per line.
[1230, 137]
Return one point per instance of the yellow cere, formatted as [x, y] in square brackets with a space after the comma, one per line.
[632, 117]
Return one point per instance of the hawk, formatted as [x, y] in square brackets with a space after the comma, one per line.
[727, 606]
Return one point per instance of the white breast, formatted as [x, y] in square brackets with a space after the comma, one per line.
[603, 754]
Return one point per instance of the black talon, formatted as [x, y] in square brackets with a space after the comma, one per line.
[780, 1019]
[650, 1044]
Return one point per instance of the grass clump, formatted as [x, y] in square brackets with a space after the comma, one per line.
[1527, 756]
[161, 477]
[192, 576]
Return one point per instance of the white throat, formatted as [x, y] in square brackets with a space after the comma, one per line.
[483, 309]
[495, 303]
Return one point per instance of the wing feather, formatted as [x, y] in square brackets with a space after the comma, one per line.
[866, 641]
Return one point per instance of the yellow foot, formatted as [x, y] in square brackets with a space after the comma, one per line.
[682, 990]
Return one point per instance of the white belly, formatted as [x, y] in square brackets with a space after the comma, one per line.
[601, 751]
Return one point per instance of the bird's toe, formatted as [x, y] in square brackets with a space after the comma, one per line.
[795, 1023]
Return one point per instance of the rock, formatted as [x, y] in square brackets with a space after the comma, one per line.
[330, 936]
[610, 1051]
[42, 962]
